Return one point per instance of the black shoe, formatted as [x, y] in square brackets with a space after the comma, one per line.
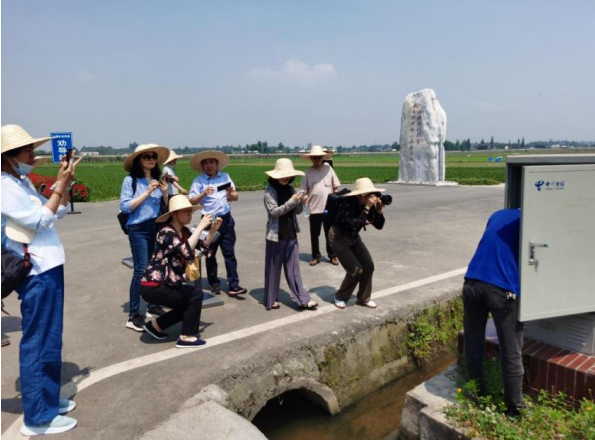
[155, 311]
[136, 322]
[190, 344]
[216, 289]
[154, 332]
[237, 291]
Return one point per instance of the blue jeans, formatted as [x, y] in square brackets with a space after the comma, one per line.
[42, 309]
[479, 299]
[227, 242]
[142, 243]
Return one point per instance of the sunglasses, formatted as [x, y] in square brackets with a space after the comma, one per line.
[150, 156]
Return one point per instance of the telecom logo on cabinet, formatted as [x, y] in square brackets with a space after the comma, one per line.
[549, 185]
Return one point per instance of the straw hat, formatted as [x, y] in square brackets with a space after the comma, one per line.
[14, 137]
[162, 154]
[363, 186]
[317, 150]
[196, 160]
[176, 203]
[172, 156]
[284, 169]
[17, 232]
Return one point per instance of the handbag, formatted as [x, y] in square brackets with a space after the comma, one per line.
[123, 217]
[14, 270]
[193, 269]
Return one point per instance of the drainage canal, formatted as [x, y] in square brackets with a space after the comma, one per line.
[293, 415]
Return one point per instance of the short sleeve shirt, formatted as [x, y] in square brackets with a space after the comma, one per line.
[215, 203]
[319, 183]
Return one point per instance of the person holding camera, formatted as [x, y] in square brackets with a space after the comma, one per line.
[169, 175]
[354, 211]
[28, 230]
[283, 205]
[142, 196]
[163, 280]
[319, 181]
[215, 190]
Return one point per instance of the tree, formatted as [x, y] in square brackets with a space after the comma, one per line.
[133, 145]
[482, 145]
[491, 143]
[523, 143]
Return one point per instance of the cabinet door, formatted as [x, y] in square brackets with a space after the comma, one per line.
[557, 256]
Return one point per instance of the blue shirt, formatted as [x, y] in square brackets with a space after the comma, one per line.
[496, 260]
[215, 203]
[46, 249]
[149, 209]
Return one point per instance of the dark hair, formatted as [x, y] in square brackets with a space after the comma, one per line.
[15, 152]
[275, 182]
[138, 172]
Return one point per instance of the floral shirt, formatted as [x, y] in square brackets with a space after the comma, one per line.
[172, 253]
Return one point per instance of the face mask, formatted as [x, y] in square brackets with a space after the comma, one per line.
[22, 169]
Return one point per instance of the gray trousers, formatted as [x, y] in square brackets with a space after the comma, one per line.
[357, 261]
[283, 254]
[479, 299]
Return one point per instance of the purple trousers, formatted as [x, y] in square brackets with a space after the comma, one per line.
[283, 254]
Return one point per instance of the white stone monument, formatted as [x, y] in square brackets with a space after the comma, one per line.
[423, 131]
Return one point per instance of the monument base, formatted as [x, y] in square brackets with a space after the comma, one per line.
[429, 184]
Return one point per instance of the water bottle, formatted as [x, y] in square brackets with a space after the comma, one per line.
[306, 211]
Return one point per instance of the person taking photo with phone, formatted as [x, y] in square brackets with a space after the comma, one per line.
[215, 190]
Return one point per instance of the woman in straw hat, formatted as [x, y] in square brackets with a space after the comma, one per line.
[169, 174]
[142, 196]
[283, 204]
[359, 208]
[163, 280]
[28, 218]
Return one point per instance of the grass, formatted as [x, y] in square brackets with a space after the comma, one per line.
[546, 416]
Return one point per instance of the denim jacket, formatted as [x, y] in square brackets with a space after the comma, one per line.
[275, 212]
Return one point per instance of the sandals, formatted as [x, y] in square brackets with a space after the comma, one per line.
[310, 305]
[275, 305]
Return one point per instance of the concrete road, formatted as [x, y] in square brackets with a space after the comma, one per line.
[429, 231]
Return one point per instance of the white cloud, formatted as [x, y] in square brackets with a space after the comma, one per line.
[489, 106]
[86, 77]
[298, 71]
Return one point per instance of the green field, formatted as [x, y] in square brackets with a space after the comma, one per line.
[104, 179]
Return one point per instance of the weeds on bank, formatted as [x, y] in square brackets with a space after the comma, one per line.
[546, 417]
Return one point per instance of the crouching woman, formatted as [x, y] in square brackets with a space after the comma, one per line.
[163, 280]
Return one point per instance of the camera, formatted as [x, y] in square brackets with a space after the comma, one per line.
[385, 199]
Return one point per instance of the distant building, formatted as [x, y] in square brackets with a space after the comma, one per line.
[89, 153]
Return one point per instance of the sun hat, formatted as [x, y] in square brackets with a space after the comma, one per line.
[365, 185]
[17, 232]
[176, 203]
[162, 154]
[172, 156]
[14, 137]
[284, 169]
[196, 160]
[317, 150]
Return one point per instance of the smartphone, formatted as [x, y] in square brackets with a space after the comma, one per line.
[224, 186]
[69, 154]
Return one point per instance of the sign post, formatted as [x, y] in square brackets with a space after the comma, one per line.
[61, 143]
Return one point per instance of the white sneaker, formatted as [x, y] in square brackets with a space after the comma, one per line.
[66, 406]
[59, 424]
[340, 304]
[369, 304]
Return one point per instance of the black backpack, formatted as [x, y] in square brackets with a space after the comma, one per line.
[123, 217]
[331, 207]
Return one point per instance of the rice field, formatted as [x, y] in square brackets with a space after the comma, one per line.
[104, 180]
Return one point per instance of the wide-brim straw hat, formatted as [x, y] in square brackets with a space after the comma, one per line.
[162, 154]
[176, 203]
[284, 169]
[196, 160]
[363, 186]
[17, 232]
[172, 156]
[14, 137]
[317, 150]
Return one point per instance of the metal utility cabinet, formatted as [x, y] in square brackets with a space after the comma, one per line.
[556, 195]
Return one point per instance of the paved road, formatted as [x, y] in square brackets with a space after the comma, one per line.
[429, 231]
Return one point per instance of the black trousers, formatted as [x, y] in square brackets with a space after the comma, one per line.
[316, 225]
[479, 299]
[185, 301]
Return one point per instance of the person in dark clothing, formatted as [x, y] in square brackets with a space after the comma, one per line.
[359, 208]
[492, 286]
[163, 280]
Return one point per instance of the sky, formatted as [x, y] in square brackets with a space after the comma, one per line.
[207, 73]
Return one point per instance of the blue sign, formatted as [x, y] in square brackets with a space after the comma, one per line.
[61, 142]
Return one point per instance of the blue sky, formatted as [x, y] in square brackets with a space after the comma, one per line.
[328, 72]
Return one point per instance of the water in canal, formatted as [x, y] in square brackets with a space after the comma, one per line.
[377, 416]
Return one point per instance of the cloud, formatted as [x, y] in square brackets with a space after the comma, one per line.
[298, 71]
[86, 77]
[489, 106]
